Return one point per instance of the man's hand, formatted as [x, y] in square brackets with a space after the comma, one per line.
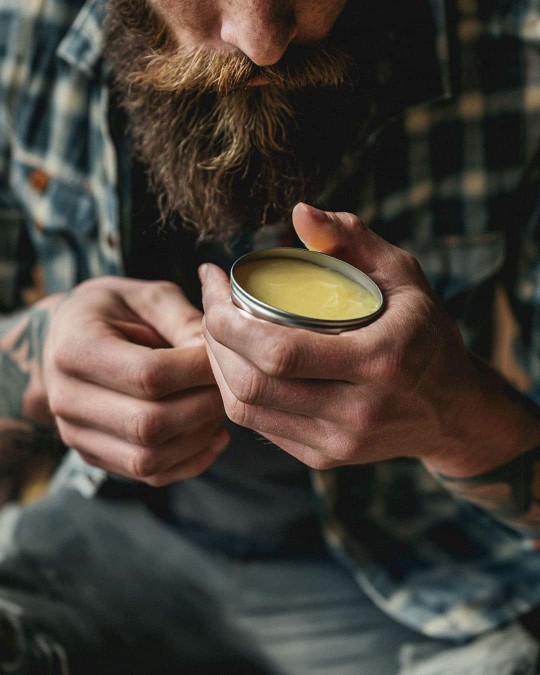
[128, 380]
[402, 385]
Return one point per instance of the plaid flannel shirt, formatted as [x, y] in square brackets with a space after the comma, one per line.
[444, 165]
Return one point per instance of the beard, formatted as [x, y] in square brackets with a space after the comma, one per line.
[220, 155]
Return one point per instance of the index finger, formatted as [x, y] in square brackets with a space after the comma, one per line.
[109, 360]
[280, 351]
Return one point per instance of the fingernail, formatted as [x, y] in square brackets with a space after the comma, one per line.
[315, 212]
[203, 269]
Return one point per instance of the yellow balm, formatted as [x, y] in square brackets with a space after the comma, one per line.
[306, 289]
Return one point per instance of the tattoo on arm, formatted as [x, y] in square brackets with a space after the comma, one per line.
[26, 427]
[510, 492]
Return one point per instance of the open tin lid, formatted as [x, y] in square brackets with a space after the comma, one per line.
[248, 302]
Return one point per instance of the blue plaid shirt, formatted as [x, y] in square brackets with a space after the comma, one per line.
[445, 166]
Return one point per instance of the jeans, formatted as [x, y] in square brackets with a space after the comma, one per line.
[102, 587]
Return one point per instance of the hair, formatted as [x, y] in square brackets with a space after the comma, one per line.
[222, 155]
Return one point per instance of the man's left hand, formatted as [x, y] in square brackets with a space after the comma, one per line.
[403, 385]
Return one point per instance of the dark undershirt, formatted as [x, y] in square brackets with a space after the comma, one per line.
[255, 496]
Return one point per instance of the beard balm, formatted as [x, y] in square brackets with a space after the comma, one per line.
[305, 289]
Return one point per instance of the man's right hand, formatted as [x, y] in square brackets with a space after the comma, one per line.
[129, 382]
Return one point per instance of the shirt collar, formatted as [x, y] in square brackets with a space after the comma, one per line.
[82, 46]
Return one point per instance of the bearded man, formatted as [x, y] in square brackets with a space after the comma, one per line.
[234, 495]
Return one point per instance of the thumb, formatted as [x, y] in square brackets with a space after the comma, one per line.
[346, 237]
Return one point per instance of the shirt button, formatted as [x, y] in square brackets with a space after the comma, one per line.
[39, 180]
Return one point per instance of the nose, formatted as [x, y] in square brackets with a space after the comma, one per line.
[262, 29]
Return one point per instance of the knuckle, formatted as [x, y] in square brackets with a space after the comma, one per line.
[57, 402]
[143, 463]
[402, 367]
[163, 287]
[144, 427]
[408, 263]
[155, 290]
[279, 359]
[247, 385]
[354, 417]
[69, 349]
[407, 258]
[350, 219]
[148, 376]
[61, 359]
[238, 412]
[215, 320]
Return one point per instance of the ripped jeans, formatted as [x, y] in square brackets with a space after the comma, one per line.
[103, 587]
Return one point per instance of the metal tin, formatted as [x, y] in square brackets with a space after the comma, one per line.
[254, 306]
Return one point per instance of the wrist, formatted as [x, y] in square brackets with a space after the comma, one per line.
[492, 425]
[509, 492]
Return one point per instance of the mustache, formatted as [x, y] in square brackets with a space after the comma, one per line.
[201, 71]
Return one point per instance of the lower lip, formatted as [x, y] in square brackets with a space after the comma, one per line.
[258, 82]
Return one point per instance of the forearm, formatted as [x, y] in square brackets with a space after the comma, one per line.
[26, 425]
[508, 483]
[510, 492]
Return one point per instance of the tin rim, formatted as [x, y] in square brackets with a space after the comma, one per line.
[260, 309]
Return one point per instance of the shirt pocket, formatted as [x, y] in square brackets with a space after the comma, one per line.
[455, 264]
[61, 217]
